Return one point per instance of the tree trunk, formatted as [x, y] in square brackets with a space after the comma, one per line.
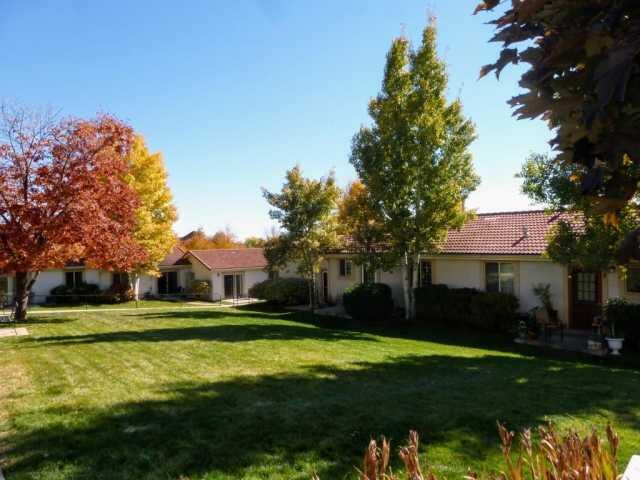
[134, 284]
[23, 289]
[406, 284]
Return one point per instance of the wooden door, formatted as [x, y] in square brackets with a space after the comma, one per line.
[586, 298]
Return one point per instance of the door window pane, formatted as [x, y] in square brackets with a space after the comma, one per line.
[586, 288]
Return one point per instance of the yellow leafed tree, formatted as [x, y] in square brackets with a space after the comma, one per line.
[156, 212]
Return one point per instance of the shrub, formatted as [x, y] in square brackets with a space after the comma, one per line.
[118, 294]
[199, 288]
[83, 293]
[545, 456]
[624, 317]
[368, 302]
[466, 306]
[282, 291]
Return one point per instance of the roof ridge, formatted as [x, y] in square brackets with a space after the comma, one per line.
[511, 212]
[224, 249]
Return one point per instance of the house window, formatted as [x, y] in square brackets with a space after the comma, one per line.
[499, 277]
[74, 279]
[346, 266]
[424, 275]
[120, 279]
[633, 280]
[368, 275]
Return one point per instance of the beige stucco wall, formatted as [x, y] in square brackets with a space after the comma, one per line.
[465, 273]
[533, 273]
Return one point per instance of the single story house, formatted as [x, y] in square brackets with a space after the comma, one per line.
[229, 272]
[501, 252]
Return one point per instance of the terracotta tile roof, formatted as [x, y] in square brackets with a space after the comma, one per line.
[174, 257]
[225, 259]
[504, 233]
[501, 233]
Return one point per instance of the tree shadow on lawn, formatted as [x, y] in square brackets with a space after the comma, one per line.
[287, 424]
[215, 333]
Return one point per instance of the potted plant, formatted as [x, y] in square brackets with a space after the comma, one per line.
[543, 292]
[615, 312]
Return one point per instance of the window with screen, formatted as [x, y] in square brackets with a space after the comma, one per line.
[499, 277]
[424, 277]
[120, 279]
[345, 267]
[73, 279]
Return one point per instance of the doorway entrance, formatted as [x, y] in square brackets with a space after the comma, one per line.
[168, 283]
[234, 285]
[586, 298]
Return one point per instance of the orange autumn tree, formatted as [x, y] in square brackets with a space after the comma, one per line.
[63, 196]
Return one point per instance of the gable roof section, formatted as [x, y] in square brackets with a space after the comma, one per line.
[174, 257]
[501, 233]
[228, 259]
[505, 233]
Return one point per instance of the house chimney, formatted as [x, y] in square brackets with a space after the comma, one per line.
[525, 231]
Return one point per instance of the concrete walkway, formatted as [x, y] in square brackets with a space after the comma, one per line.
[193, 306]
[13, 332]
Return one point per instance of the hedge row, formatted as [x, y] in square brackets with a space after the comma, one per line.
[89, 293]
[282, 291]
[369, 302]
[466, 306]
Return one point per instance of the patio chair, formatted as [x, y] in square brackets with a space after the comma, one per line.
[549, 324]
[8, 314]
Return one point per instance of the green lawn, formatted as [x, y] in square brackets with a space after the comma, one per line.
[226, 393]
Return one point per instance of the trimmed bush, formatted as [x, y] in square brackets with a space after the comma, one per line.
[83, 293]
[118, 294]
[626, 317]
[369, 302]
[282, 291]
[199, 289]
[466, 306]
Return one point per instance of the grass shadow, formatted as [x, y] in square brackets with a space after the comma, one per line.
[288, 425]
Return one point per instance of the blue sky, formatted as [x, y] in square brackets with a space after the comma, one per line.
[234, 93]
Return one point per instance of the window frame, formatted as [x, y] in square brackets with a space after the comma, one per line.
[429, 274]
[500, 277]
[626, 282]
[74, 275]
[345, 268]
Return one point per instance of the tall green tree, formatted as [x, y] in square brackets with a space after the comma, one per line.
[414, 159]
[305, 209]
[583, 78]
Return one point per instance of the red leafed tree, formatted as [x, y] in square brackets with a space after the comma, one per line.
[63, 196]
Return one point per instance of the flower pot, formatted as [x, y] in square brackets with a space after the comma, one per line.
[615, 345]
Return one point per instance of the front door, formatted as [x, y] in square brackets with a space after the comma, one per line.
[168, 283]
[586, 298]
